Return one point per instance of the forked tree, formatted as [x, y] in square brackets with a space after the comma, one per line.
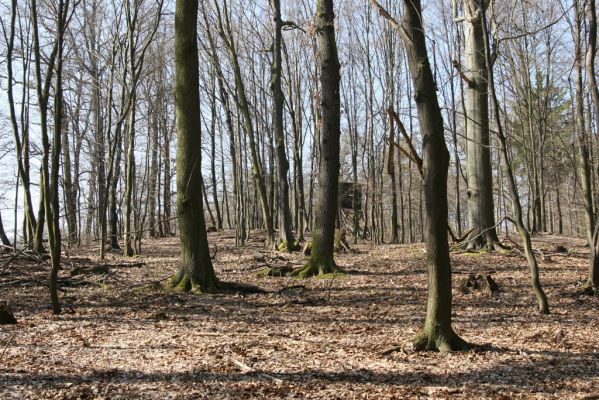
[437, 333]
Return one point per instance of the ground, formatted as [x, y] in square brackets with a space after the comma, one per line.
[316, 338]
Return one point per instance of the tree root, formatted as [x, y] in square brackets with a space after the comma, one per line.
[444, 341]
[317, 267]
[182, 283]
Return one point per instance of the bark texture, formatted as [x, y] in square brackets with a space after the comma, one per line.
[325, 209]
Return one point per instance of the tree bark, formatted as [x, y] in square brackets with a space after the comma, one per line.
[591, 12]
[437, 333]
[285, 224]
[196, 272]
[325, 210]
[480, 182]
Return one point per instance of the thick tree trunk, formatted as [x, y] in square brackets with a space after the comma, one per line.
[196, 273]
[480, 182]
[325, 210]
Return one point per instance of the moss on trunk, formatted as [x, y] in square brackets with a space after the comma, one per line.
[438, 338]
[317, 266]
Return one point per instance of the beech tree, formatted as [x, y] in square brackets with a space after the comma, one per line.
[322, 259]
[196, 273]
[437, 333]
[480, 183]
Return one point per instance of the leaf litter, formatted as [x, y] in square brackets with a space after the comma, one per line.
[342, 337]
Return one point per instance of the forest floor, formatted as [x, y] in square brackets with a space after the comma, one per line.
[315, 338]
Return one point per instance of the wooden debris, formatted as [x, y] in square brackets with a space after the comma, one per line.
[483, 283]
[6, 315]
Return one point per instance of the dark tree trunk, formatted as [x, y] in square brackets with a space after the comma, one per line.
[325, 210]
[437, 333]
[196, 272]
[285, 224]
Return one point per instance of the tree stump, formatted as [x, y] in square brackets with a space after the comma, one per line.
[482, 283]
[6, 315]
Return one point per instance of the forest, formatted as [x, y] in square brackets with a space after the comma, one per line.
[321, 199]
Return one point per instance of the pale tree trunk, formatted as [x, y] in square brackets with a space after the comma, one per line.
[480, 184]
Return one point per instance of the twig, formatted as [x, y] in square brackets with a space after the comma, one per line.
[392, 350]
[246, 368]
[458, 67]
[6, 347]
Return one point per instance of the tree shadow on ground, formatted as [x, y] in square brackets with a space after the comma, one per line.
[525, 374]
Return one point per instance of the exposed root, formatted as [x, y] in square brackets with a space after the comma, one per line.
[318, 267]
[444, 341]
[182, 283]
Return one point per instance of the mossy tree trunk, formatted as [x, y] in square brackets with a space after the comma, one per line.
[196, 272]
[325, 209]
[437, 333]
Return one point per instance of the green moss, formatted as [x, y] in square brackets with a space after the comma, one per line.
[317, 266]
[442, 340]
[338, 274]
[286, 247]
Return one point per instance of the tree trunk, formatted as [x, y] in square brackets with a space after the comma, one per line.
[542, 302]
[591, 12]
[3, 238]
[257, 170]
[285, 224]
[480, 182]
[437, 333]
[196, 272]
[325, 210]
[583, 147]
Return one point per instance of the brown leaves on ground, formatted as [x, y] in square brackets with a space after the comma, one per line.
[316, 338]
